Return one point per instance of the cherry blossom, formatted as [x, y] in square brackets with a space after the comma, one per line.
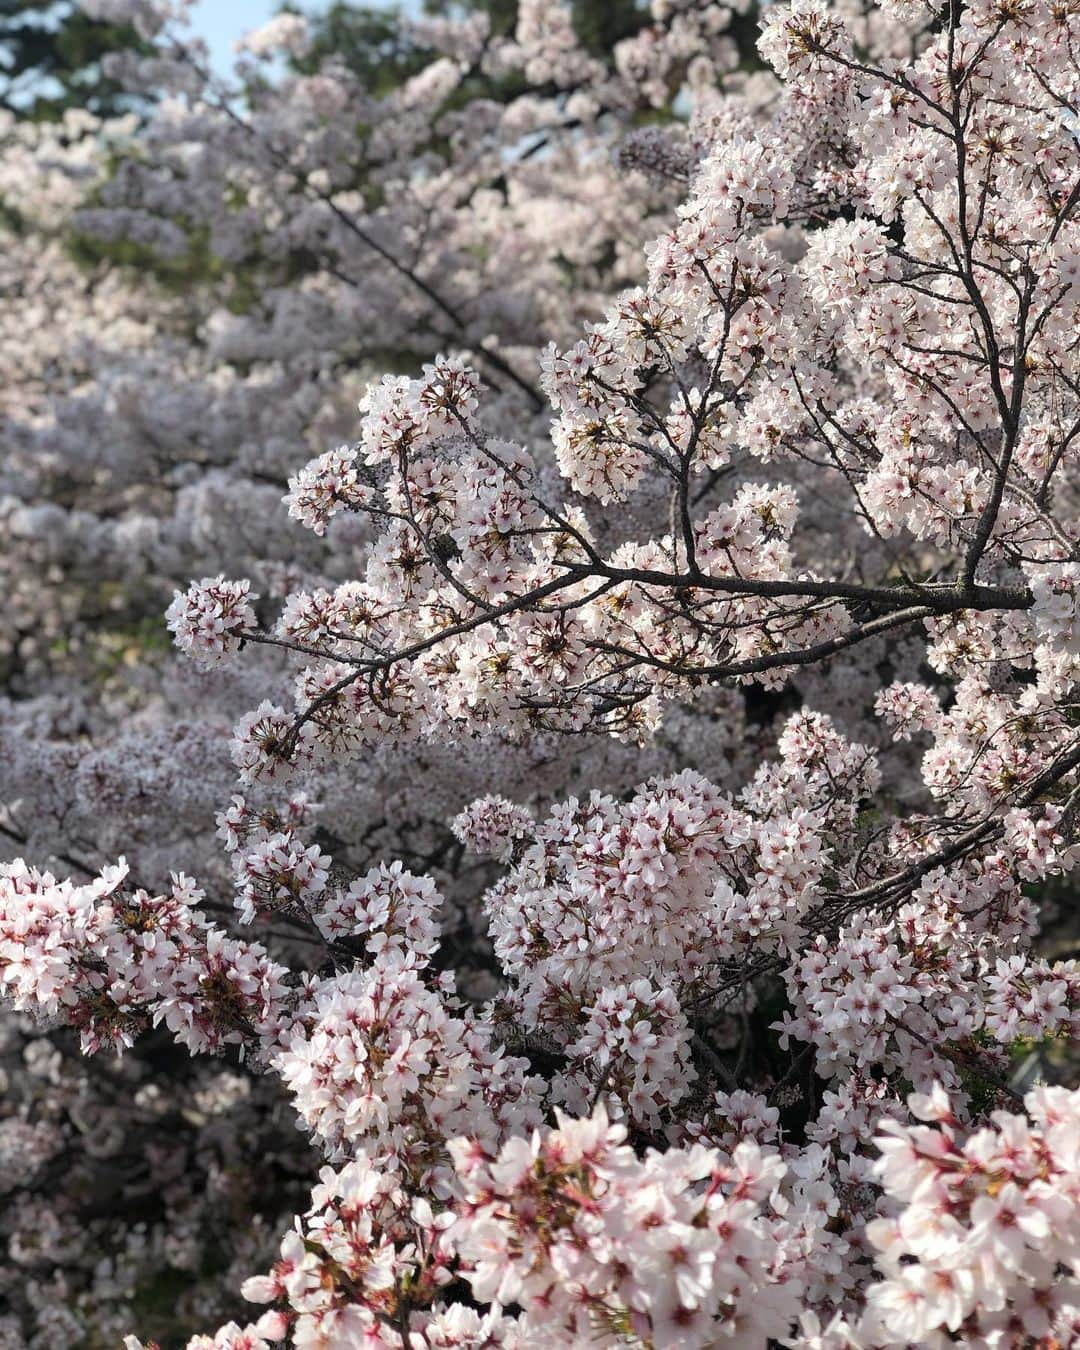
[636, 493]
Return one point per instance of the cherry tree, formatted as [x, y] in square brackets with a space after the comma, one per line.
[148, 438]
[677, 1044]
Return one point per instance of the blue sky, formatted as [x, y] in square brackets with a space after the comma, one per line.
[221, 22]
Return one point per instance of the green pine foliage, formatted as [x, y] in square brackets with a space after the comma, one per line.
[51, 59]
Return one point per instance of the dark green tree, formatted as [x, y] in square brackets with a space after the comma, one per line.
[598, 23]
[371, 40]
[51, 59]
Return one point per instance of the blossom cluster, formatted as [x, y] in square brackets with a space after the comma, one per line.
[209, 621]
[106, 958]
